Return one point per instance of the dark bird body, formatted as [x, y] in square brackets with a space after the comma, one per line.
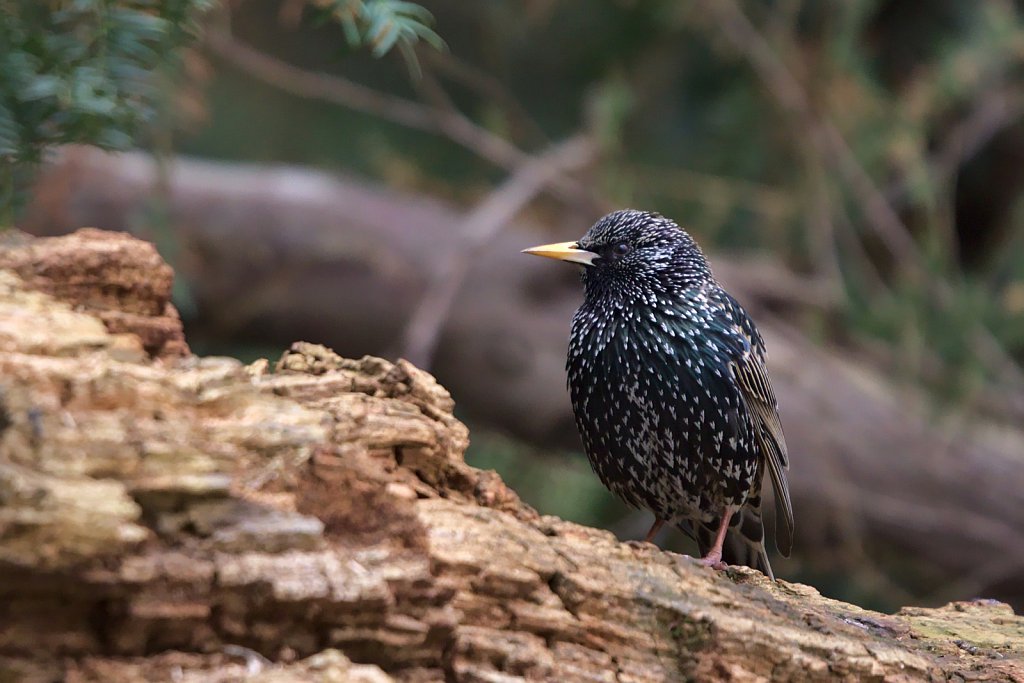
[668, 383]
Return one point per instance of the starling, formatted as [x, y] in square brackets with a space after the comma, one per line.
[669, 387]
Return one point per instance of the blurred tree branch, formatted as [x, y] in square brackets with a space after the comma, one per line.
[836, 154]
[345, 93]
[993, 111]
[530, 175]
[476, 230]
[819, 130]
[468, 75]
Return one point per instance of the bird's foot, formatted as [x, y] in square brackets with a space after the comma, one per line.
[714, 563]
[713, 560]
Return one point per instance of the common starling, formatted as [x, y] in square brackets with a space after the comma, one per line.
[669, 387]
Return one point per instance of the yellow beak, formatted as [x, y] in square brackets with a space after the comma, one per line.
[564, 251]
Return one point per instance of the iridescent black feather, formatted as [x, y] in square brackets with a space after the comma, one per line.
[668, 383]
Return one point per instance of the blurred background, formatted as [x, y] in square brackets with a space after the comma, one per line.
[363, 173]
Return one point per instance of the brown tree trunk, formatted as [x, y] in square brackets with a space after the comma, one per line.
[196, 519]
[279, 253]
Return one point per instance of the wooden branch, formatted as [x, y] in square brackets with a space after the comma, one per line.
[207, 521]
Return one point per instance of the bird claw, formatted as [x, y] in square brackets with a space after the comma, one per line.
[714, 561]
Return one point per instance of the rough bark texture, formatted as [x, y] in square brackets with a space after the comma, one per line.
[124, 283]
[195, 519]
[282, 253]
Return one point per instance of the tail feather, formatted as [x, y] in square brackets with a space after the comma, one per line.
[744, 543]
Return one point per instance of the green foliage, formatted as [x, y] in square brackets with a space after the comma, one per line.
[83, 70]
[93, 71]
[384, 24]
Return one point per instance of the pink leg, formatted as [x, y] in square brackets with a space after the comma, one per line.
[655, 528]
[714, 556]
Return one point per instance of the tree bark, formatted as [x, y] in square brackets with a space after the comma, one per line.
[196, 519]
[277, 253]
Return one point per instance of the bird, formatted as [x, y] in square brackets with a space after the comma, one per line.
[669, 387]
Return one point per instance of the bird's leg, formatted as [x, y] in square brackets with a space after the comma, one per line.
[714, 556]
[655, 528]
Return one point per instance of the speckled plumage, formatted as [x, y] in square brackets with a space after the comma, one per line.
[668, 384]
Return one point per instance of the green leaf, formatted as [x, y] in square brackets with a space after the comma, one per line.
[382, 44]
[141, 25]
[412, 10]
[40, 87]
[112, 138]
[386, 24]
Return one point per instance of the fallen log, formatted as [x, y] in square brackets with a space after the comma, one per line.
[197, 519]
[272, 254]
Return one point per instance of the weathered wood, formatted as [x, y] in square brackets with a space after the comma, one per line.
[195, 519]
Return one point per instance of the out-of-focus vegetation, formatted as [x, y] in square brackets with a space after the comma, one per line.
[383, 24]
[90, 71]
[99, 71]
[927, 100]
[82, 71]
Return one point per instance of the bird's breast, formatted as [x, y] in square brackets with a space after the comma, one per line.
[653, 389]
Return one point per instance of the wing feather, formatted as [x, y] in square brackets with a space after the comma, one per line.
[751, 375]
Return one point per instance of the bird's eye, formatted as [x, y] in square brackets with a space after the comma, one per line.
[621, 249]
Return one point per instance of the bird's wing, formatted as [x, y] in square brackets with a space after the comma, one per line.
[751, 375]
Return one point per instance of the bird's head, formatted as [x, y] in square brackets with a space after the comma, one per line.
[632, 249]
